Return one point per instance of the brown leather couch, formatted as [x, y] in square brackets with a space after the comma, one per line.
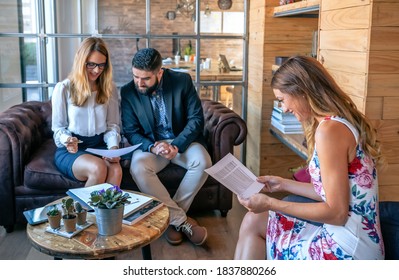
[29, 178]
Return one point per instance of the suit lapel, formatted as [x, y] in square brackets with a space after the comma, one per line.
[168, 98]
[146, 103]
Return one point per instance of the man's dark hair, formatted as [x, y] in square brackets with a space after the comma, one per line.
[148, 59]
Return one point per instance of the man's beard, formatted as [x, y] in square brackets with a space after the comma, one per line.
[149, 90]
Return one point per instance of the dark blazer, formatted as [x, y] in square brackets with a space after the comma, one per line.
[183, 107]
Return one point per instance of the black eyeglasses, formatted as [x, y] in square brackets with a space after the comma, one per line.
[92, 65]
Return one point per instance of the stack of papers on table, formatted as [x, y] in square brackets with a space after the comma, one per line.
[82, 195]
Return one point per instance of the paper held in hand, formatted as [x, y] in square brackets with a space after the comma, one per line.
[113, 153]
[235, 176]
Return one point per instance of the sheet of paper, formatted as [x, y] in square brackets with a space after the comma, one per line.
[113, 153]
[235, 176]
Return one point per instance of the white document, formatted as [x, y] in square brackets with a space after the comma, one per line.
[113, 153]
[83, 195]
[235, 176]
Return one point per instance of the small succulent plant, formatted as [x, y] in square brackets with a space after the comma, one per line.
[78, 207]
[67, 206]
[53, 211]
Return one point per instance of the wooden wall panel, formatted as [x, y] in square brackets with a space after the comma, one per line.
[389, 192]
[334, 4]
[386, 13]
[389, 176]
[391, 150]
[384, 61]
[359, 102]
[388, 130]
[374, 108]
[381, 35]
[386, 84]
[352, 83]
[353, 62]
[391, 108]
[350, 18]
[345, 40]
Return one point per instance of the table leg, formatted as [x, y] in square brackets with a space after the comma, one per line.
[146, 252]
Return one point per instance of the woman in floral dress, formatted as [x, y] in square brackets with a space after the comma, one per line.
[340, 220]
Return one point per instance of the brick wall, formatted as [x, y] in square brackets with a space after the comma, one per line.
[128, 17]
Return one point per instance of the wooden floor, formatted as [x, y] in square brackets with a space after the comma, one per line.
[222, 238]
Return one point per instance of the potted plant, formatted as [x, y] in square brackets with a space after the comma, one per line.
[69, 218]
[109, 206]
[188, 51]
[54, 217]
[81, 213]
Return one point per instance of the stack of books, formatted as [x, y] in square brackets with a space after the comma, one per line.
[287, 123]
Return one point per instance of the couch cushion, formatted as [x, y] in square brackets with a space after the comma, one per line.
[42, 174]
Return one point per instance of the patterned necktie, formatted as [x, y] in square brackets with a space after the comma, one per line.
[159, 111]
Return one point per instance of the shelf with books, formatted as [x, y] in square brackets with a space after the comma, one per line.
[293, 141]
[287, 129]
[285, 122]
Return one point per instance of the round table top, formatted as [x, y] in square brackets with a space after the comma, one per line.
[88, 244]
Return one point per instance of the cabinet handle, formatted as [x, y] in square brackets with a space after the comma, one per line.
[322, 59]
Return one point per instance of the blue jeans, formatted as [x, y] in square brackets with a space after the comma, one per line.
[301, 199]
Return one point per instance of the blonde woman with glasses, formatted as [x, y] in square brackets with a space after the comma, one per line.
[85, 114]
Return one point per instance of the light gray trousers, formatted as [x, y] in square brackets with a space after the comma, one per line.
[145, 166]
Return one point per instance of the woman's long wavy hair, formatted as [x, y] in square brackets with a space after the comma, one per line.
[304, 76]
[80, 86]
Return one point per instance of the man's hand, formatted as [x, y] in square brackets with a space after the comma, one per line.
[164, 150]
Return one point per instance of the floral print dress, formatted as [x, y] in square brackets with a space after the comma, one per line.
[360, 238]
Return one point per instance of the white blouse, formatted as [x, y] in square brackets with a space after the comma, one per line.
[87, 120]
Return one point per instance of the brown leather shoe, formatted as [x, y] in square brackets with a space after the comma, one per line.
[173, 236]
[194, 232]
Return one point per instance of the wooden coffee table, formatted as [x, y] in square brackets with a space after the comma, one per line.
[88, 244]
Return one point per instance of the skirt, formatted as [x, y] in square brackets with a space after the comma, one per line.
[64, 159]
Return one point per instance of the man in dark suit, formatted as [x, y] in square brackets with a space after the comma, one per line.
[162, 110]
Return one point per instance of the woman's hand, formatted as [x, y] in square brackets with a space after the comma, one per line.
[257, 203]
[114, 159]
[272, 183]
[72, 145]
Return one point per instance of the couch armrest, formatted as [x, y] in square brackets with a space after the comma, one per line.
[223, 129]
[23, 128]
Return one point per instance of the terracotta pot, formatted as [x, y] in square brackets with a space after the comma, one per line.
[109, 221]
[54, 221]
[81, 218]
[69, 222]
